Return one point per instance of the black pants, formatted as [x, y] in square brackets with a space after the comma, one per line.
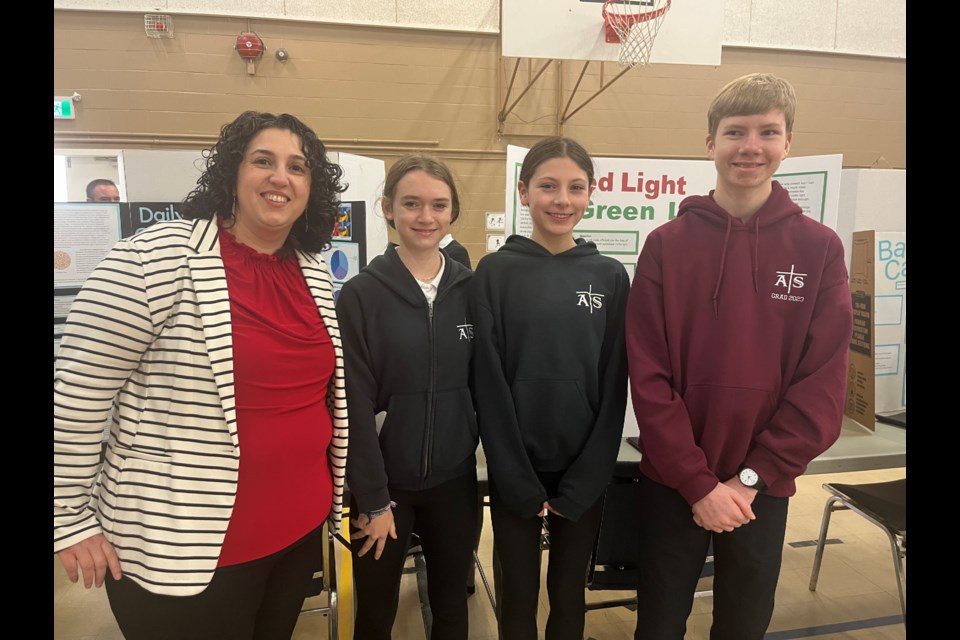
[255, 600]
[517, 543]
[672, 553]
[445, 519]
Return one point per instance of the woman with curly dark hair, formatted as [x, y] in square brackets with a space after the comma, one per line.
[205, 338]
[216, 192]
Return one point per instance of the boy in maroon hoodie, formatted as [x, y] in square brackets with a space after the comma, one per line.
[738, 321]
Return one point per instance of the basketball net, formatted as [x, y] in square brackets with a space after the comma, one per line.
[636, 25]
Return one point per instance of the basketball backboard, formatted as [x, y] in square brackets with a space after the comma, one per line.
[691, 32]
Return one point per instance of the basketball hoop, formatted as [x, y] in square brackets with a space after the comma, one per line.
[634, 25]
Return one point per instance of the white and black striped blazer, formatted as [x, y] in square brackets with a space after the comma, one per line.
[149, 336]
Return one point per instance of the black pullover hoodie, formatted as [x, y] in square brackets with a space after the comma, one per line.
[550, 373]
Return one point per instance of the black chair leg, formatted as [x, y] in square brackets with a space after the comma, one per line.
[828, 510]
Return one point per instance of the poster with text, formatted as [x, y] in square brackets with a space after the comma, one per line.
[83, 234]
[137, 216]
[633, 196]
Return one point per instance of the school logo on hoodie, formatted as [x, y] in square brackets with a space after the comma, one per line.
[465, 331]
[589, 299]
[791, 282]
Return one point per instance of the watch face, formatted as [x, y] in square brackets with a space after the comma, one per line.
[749, 477]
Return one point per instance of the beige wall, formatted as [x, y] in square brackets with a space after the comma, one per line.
[380, 92]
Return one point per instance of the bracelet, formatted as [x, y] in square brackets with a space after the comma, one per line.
[379, 512]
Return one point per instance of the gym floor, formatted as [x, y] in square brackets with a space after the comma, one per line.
[856, 597]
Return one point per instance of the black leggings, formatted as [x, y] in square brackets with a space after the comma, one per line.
[258, 600]
[517, 543]
[445, 519]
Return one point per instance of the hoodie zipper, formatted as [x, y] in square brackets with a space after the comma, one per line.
[431, 384]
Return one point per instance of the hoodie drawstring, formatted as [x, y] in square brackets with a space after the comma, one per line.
[756, 252]
[723, 259]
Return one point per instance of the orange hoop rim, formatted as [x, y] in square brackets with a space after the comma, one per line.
[626, 19]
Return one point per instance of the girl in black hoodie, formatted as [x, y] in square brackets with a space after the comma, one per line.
[407, 343]
[551, 390]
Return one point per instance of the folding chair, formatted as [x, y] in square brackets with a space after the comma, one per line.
[613, 565]
[325, 579]
[882, 503]
[483, 501]
[615, 560]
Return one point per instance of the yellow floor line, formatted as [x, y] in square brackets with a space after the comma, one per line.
[345, 595]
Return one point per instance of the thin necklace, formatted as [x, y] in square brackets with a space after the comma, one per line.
[414, 274]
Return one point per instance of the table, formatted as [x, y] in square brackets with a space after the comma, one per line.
[857, 449]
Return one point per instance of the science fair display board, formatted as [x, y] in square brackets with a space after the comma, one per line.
[877, 369]
[156, 181]
[633, 196]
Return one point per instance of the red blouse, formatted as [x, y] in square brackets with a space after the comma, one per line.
[282, 363]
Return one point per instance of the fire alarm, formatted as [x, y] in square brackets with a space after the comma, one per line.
[158, 25]
[249, 46]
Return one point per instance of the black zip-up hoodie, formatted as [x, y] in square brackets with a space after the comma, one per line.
[550, 372]
[414, 363]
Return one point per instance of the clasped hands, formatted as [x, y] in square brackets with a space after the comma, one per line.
[727, 507]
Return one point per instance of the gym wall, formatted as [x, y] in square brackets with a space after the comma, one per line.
[383, 91]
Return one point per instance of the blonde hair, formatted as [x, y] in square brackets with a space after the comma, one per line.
[753, 94]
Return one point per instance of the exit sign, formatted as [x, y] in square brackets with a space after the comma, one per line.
[63, 108]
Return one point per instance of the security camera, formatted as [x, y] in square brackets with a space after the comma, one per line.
[282, 55]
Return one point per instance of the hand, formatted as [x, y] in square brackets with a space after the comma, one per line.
[723, 509]
[748, 493]
[552, 510]
[92, 556]
[546, 508]
[375, 531]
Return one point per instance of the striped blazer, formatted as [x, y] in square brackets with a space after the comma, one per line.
[148, 340]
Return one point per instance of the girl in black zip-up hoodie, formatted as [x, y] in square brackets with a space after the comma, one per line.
[408, 344]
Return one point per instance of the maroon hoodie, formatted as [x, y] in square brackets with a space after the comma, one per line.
[737, 339]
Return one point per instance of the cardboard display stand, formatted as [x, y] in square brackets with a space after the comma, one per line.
[876, 381]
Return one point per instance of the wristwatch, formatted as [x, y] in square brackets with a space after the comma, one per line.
[750, 478]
